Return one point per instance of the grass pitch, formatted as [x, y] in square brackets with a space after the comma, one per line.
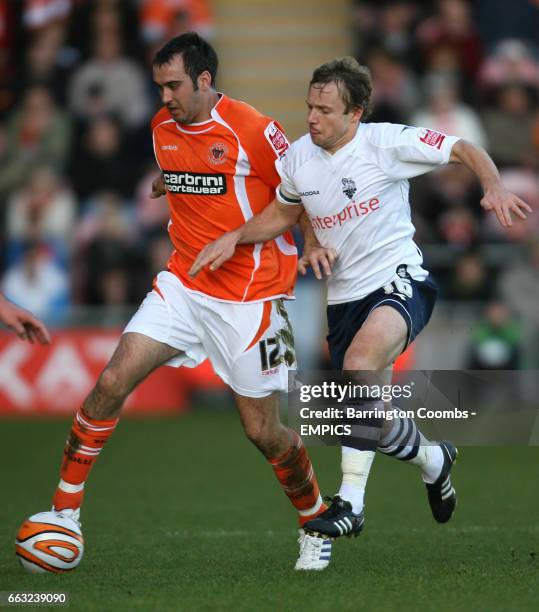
[183, 514]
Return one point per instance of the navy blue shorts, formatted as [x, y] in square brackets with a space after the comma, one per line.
[413, 299]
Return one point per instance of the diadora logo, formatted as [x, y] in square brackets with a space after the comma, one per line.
[304, 194]
[195, 183]
[169, 147]
[348, 187]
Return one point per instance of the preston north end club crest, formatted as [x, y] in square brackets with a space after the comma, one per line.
[348, 187]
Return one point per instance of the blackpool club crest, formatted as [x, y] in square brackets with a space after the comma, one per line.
[217, 153]
[348, 187]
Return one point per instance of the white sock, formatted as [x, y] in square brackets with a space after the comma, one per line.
[430, 459]
[355, 466]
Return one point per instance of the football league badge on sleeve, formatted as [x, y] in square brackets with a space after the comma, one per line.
[431, 138]
[276, 138]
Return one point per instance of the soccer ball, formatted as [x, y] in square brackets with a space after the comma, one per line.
[49, 542]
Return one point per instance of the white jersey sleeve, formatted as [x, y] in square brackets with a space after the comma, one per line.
[287, 192]
[298, 156]
[402, 151]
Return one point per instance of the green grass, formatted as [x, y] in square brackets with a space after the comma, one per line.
[183, 514]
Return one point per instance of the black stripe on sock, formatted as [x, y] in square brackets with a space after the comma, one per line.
[412, 429]
[405, 439]
[394, 452]
[395, 438]
[415, 449]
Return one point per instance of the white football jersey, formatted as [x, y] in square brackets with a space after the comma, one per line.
[357, 201]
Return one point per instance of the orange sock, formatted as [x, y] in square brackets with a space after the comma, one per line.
[86, 439]
[294, 471]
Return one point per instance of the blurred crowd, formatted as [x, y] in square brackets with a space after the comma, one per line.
[77, 226]
[471, 69]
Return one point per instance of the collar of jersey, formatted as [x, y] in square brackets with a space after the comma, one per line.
[348, 148]
[204, 126]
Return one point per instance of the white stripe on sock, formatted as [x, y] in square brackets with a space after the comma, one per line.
[70, 488]
[314, 509]
[90, 449]
[89, 453]
[89, 425]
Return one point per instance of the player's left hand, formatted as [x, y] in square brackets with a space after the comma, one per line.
[215, 254]
[158, 187]
[502, 202]
[319, 258]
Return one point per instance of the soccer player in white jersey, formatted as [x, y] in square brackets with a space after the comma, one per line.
[351, 179]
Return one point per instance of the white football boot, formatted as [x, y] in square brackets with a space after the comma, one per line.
[314, 552]
[73, 514]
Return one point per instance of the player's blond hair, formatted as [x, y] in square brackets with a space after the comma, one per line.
[352, 79]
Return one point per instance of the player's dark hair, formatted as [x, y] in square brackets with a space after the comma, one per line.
[198, 56]
[352, 79]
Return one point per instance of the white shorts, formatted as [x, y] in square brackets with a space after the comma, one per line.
[250, 346]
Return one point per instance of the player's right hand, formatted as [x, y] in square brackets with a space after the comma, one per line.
[216, 253]
[503, 203]
[319, 258]
[158, 187]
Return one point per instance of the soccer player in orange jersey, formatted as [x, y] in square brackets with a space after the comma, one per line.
[218, 158]
[23, 323]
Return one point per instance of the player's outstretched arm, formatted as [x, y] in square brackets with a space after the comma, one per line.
[24, 324]
[314, 254]
[496, 197]
[275, 219]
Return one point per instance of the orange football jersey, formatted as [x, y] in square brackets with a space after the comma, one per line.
[218, 174]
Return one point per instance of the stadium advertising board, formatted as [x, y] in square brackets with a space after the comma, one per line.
[55, 379]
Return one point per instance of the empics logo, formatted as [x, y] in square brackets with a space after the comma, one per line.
[195, 183]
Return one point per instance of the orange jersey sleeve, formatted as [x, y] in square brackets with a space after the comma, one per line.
[218, 174]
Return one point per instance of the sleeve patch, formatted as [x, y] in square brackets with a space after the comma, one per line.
[277, 139]
[431, 138]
